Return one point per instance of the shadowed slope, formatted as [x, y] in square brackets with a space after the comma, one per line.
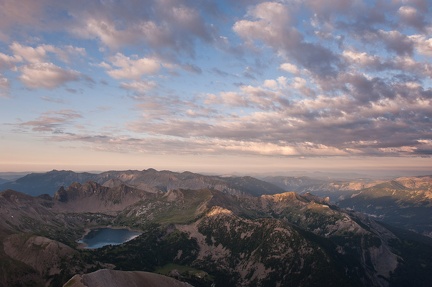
[114, 278]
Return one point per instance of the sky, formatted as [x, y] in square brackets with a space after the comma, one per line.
[216, 86]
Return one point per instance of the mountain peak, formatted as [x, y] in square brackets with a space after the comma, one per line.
[219, 211]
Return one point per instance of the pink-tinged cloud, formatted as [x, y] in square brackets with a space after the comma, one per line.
[46, 75]
[132, 68]
[52, 121]
[286, 78]
[4, 86]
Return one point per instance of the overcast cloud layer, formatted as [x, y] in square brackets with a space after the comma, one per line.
[285, 78]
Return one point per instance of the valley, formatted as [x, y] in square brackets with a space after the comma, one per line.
[218, 231]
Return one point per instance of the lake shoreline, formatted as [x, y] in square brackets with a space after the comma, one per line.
[83, 245]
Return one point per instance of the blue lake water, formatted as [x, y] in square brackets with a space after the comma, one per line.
[100, 237]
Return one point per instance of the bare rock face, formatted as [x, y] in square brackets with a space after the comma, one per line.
[116, 278]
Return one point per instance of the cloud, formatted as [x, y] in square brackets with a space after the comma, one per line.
[422, 44]
[123, 67]
[166, 26]
[25, 13]
[373, 117]
[35, 66]
[296, 78]
[290, 68]
[309, 127]
[4, 86]
[169, 27]
[41, 53]
[264, 28]
[139, 86]
[270, 95]
[396, 42]
[53, 100]
[30, 54]
[411, 17]
[270, 23]
[52, 121]
[8, 62]
[106, 31]
[328, 8]
[46, 75]
[192, 68]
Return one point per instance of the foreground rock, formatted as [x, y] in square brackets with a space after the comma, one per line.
[115, 278]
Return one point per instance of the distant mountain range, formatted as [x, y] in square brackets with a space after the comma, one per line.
[334, 189]
[404, 202]
[151, 180]
[228, 231]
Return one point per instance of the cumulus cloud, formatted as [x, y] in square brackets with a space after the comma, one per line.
[311, 126]
[41, 53]
[123, 67]
[344, 77]
[8, 62]
[106, 31]
[422, 44]
[30, 54]
[167, 26]
[396, 42]
[36, 69]
[46, 75]
[270, 24]
[411, 17]
[288, 67]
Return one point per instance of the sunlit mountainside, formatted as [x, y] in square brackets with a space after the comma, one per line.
[228, 231]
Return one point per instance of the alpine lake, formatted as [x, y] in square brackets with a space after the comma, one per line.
[100, 237]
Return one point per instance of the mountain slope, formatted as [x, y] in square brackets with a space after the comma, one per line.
[403, 202]
[251, 240]
[38, 252]
[93, 197]
[19, 211]
[259, 252]
[213, 235]
[115, 278]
